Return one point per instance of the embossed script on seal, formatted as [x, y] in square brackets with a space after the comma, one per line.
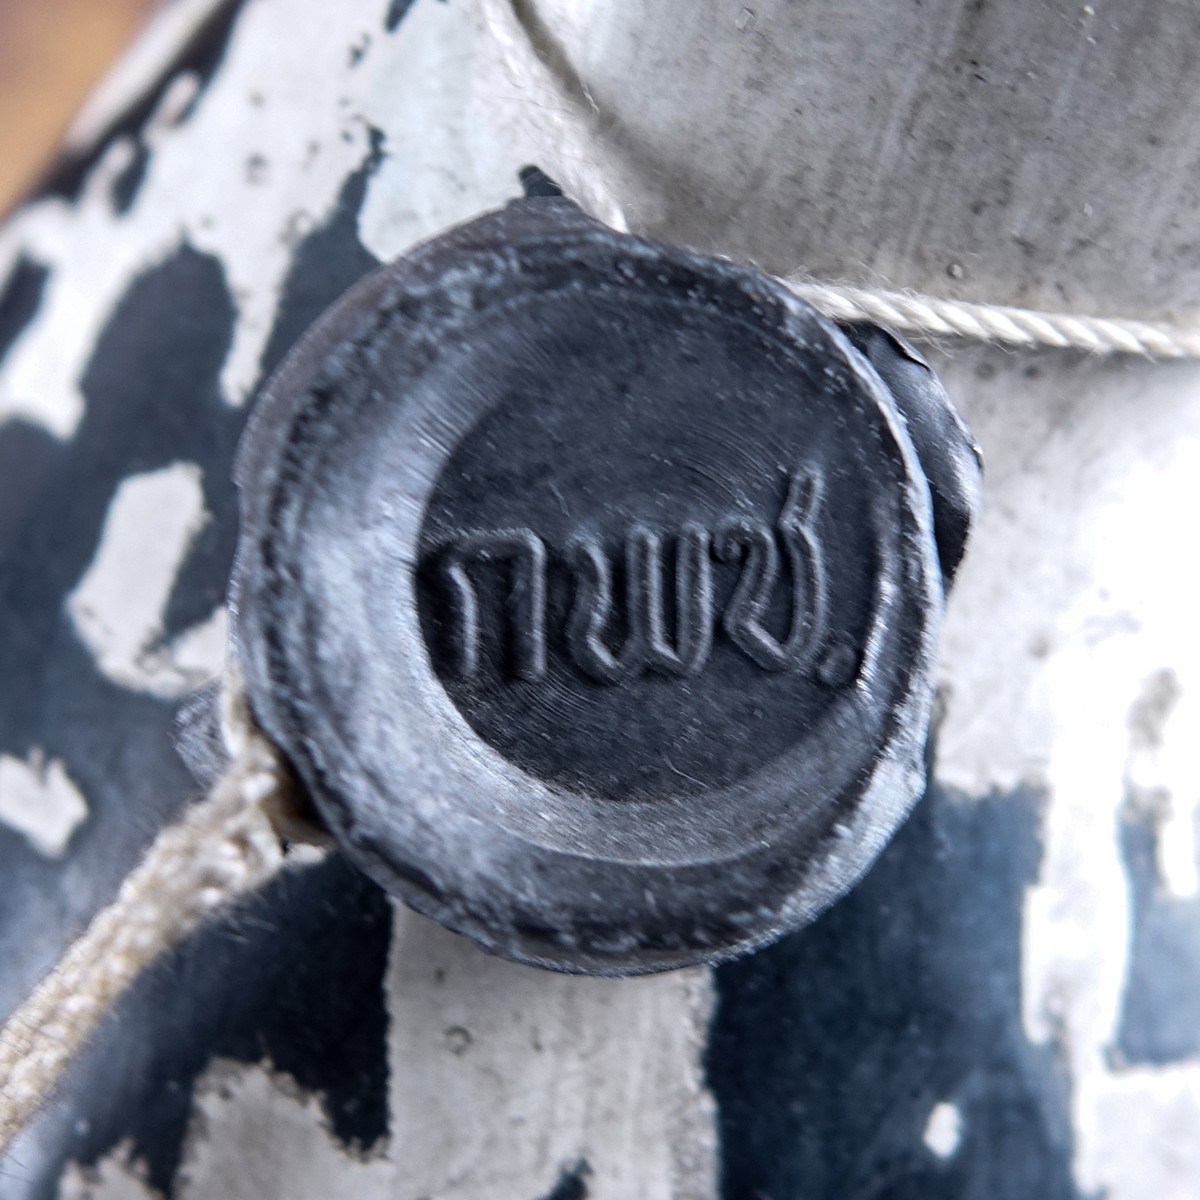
[676, 643]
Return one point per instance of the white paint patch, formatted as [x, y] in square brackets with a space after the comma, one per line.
[1148, 1122]
[440, 172]
[504, 1073]
[118, 606]
[943, 1130]
[1070, 550]
[258, 1135]
[199, 652]
[33, 384]
[39, 801]
[114, 1179]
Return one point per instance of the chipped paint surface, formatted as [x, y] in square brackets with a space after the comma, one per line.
[503, 1080]
[1074, 605]
[1070, 671]
[119, 605]
[501, 1077]
[38, 800]
[304, 123]
[134, 76]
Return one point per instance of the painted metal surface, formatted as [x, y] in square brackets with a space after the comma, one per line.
[1004, 1007]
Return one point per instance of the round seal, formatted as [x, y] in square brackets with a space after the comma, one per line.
[591, 586]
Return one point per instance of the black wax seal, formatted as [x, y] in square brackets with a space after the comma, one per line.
[593, 588]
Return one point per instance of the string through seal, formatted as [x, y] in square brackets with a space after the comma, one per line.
[224, 847]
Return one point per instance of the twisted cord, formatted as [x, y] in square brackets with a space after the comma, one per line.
[596, 173]
[223, 847]
[928, 316]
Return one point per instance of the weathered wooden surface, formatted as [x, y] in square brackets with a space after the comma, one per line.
[1003, 1009]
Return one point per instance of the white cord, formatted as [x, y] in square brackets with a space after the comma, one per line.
[221, 848]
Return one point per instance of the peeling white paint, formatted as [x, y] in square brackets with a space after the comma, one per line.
[439, 172]
[255, 1135]
[303, 119]
[943, 1130]
[554, 1068]
[501, 1076]
[114, 1179]
[1077, 594]
[117, 607]
[1148, 1127]
[1076, 546]
[39, 801]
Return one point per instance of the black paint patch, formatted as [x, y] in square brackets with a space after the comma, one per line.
[325, 264]
[20, 300]
[1160, 1016]
[572, 1183]
[293, 980]
[397, 10]
[829, 1050]
[328, 261]
[201, 55]
[128, 181]
[359, 50]
[28, 459]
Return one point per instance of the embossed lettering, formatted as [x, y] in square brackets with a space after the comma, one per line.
[527, 600]
[744, 614]
[613, 638]
[646, 644]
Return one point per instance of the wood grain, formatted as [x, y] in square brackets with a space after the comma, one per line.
[51, 53]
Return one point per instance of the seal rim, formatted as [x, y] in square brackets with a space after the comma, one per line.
[861, 820]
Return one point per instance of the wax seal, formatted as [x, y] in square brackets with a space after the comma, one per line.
[593, 588]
